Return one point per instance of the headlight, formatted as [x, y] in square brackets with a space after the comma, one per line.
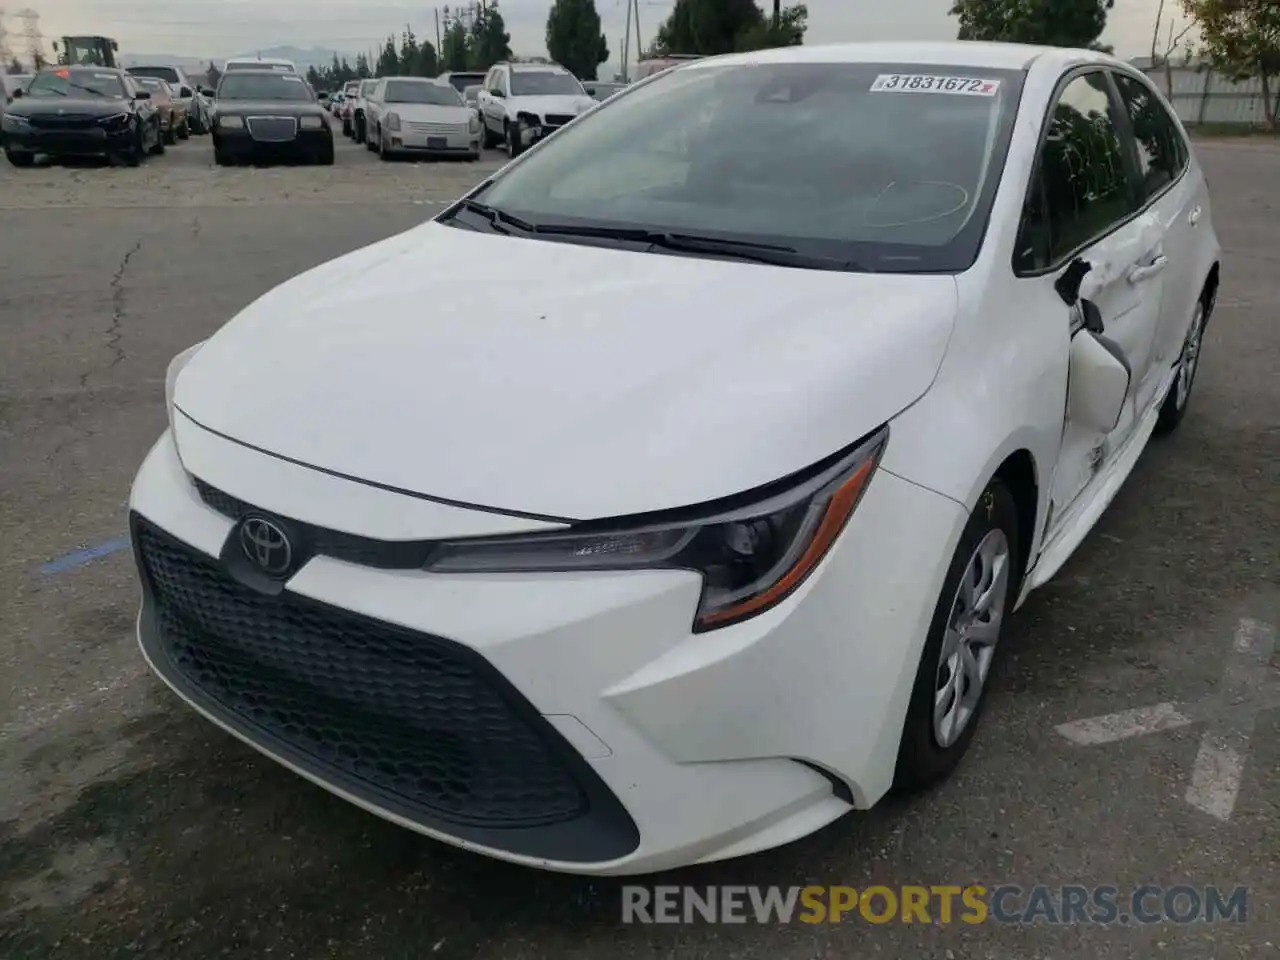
[312, 123]
[751, 556]
[171, 376]
[13, 121]
[117, 122]
[230, 121]
[393, 121]
[475, 124]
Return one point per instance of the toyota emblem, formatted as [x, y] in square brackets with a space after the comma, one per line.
[266, 545]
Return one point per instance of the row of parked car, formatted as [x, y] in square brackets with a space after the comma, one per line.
[124, 115]
[513, 104]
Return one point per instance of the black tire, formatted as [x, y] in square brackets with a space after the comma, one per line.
[20, 158]
[488, 140]
[514, 146]
[346, 129]
[371, 140]
[157, 148]
[137, 152]
[473, 157]
[222, 157]
[360, 131]
[922, 759]
[325, 157]
[1175, 404]
[384, 151]
[184, 131]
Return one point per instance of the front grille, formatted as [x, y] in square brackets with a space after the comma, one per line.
[405, 716]
[66, 122]
[558, 119]
[272, 129]
[436, 129]
[365, 551]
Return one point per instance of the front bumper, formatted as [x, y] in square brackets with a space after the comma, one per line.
[633, 745]
[79, 142]
[241, 143]
[461, 143]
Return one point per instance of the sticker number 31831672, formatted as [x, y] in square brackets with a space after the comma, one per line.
[928, 83]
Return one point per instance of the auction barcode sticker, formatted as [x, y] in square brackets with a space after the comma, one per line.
[928, 83]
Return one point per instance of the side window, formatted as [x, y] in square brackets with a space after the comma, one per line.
[1080, 188]
[1162, 155]
[503, 83]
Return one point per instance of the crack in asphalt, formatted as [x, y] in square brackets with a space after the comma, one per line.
[114, 333]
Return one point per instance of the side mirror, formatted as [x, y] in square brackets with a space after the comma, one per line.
[142, 95]
[18, 93]
[497, 93]
[1099, 376]
[185, 92]
[206, 92]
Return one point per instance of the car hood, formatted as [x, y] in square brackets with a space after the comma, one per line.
[67, 106]
[570, 381]
[431, 113]
[557, 104]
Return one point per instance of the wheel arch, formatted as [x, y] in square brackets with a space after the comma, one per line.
[1019, 474]
[1209, 292]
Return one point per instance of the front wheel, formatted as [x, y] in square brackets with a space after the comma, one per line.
[486, 135]
[951, 682]
[325, 156]
[514, 145]
[20, 158]
[1174, 407]
[157, 148]
[184, 132]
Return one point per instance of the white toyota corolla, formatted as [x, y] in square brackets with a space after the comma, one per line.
[665, 498]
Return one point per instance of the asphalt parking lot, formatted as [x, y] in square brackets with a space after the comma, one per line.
[130, 827]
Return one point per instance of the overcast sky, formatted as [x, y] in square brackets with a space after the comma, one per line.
[219, 28]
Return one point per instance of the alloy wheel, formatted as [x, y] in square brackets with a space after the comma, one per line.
[1190, 358]
[969, 644]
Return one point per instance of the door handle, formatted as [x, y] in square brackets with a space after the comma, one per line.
[1193, 217]
[1138, 274]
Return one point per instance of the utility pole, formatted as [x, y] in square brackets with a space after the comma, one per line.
[626, 48]
[777, 13]
[438, 47]
[31, 33]
[639, 44]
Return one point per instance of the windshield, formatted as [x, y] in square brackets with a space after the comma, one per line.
[410, 91]
[538, 83]
[366, 88]
[76, 83]
[150, 83]
[889, 166]
[160, 73]
[352, 89]
[261, 86]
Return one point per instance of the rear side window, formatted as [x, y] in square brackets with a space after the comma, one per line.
[1162, 155]
[1081, 187]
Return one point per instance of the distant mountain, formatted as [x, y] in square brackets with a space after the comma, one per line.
[163, 59]
[314, 57]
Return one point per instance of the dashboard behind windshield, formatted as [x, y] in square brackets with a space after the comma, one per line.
[76, 83]
[892, 166]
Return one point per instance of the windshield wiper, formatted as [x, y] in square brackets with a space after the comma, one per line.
[770, 253]
[497, 218]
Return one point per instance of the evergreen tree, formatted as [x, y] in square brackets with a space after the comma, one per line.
[574, 38]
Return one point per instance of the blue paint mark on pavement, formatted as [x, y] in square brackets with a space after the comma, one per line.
[69, 561]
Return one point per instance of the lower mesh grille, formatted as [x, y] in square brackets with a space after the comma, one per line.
[409, 716]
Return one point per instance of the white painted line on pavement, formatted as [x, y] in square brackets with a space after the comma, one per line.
[1224, 748]
[1121, 726]
[1249, 686]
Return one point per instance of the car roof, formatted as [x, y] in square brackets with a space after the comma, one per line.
[956, 53]
[260, 73]
[537, 67]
